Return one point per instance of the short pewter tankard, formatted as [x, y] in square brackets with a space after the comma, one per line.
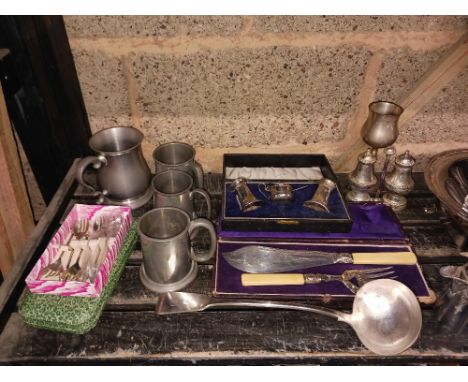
[178, 156]
[173, 188]
[123, 176]
[169, 260]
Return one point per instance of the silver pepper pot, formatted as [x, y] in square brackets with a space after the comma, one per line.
[399, 182]
[362, 179]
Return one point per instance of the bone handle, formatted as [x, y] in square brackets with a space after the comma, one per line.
[260, 279]
[388, 258]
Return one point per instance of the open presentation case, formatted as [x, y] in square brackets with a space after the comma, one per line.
[303, 173]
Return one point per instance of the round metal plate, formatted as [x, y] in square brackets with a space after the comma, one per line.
[162, 288]
[437, 172]
[132, 203]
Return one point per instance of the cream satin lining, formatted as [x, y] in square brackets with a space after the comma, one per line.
[269, 173]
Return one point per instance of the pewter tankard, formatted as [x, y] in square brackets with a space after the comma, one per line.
[173, 188]
[381, 127]
[178, 156]
[169, 260]
[123, 176]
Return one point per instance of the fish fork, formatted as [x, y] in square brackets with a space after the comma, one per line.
[79, 230]
[57, 267]
[360, 275]
[363, 276]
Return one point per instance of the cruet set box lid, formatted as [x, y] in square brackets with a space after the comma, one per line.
[282, 193]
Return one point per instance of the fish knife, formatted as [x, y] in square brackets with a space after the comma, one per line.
[262, 259]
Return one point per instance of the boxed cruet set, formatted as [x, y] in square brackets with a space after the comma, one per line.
[286, 230]
[283, 193]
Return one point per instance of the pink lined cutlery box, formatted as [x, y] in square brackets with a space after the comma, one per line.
[101, 249]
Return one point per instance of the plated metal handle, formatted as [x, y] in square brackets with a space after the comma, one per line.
[206, 196]
[203, 223]
[97, 162]
[198, 174]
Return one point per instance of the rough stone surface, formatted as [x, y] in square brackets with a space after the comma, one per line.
[244, 131]
[316, 86]
[401, 70]
[264, 24]
[445, 118]
[99, 123]
[103, 83]
[259, 98]
[424, 154]
[145, 26]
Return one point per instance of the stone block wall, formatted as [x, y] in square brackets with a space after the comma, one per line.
[278, 84]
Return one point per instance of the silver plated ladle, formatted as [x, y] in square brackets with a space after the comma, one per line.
[386, 315]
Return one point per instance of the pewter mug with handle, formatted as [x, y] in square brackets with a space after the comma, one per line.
[122, 172]
[178, 156]
[169, 260]
[173, 188]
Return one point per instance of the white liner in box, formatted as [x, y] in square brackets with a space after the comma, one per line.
[52, 252]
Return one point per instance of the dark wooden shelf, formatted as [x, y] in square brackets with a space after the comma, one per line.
[129, 332]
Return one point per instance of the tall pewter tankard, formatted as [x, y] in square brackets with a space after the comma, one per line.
[178, 156]
[123, 176]
[174, 188]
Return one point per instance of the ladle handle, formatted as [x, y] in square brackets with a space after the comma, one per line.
[251, 303]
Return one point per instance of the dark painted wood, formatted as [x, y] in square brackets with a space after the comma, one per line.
[43, 96]
[432, 243]
[143, 337]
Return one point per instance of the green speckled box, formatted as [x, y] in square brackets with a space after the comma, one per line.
[74, 314]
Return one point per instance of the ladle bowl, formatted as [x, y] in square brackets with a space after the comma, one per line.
[386, 314]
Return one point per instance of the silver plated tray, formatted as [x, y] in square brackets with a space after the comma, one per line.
[437, 172]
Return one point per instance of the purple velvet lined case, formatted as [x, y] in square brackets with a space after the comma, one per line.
[375, 229]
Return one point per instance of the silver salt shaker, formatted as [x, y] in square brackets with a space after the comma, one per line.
[246, 199]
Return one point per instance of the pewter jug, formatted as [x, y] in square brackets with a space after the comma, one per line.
[381, 127]
[362, 179]
[123, 176]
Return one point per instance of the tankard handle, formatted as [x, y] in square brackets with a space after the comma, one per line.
[203, 223]
[206, 196]
[97, 162]
[198, 174]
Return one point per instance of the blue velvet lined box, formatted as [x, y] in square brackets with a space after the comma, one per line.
[284, 216]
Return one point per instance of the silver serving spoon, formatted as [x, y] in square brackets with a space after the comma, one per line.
[386, 315]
